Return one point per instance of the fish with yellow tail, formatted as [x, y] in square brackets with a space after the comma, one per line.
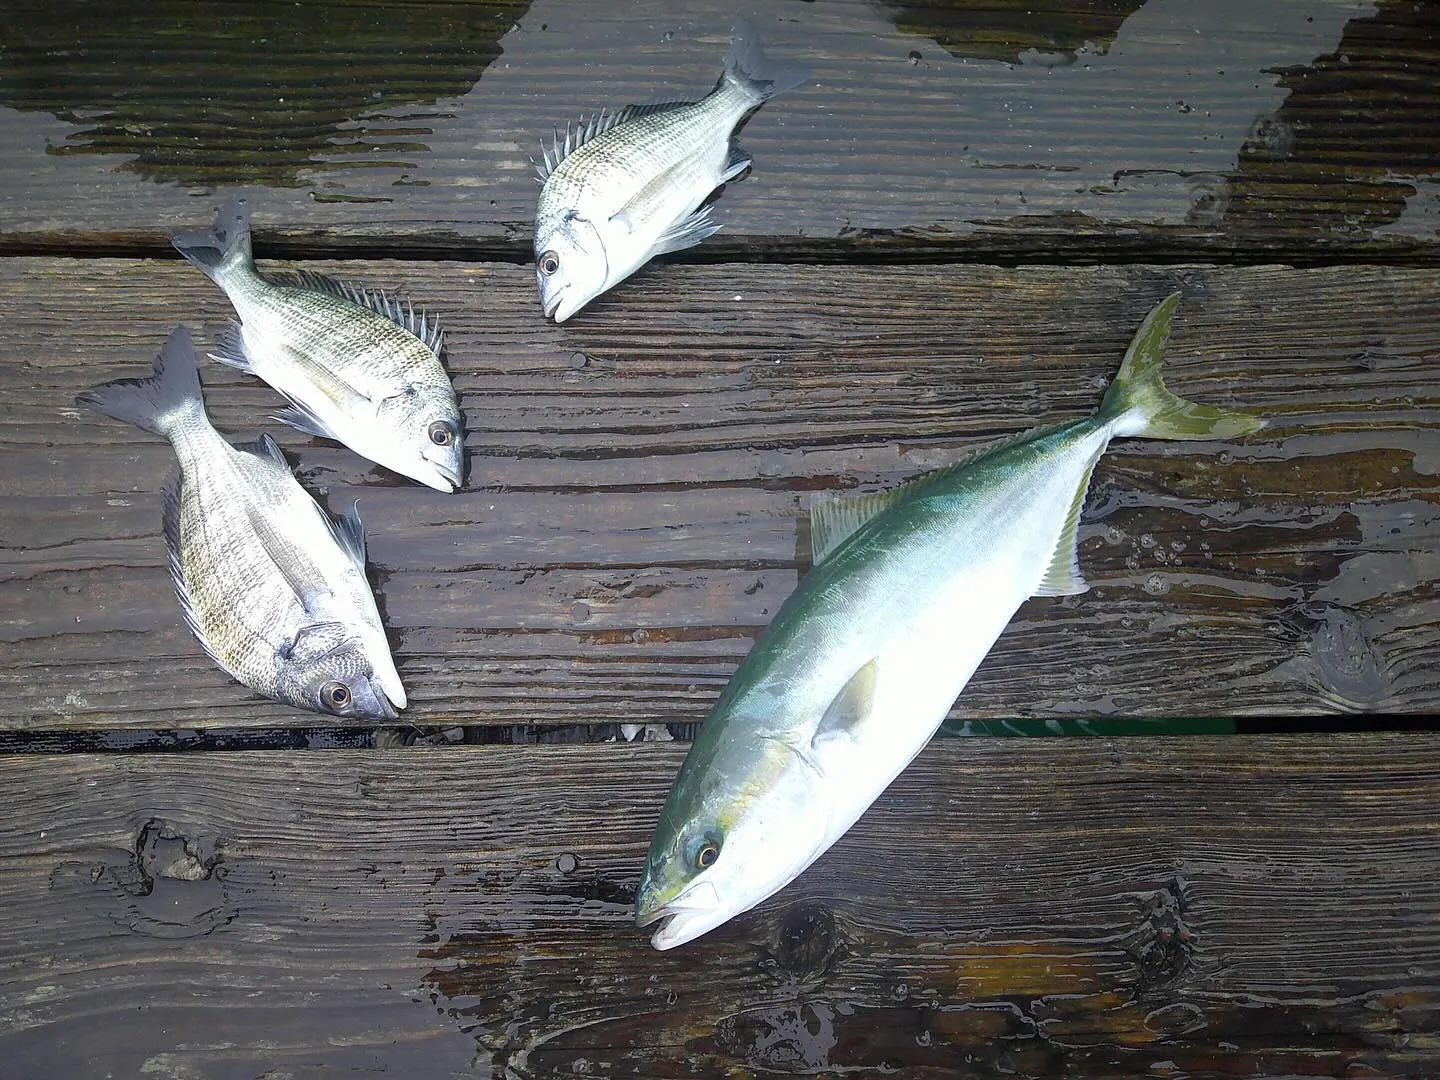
[862, 662]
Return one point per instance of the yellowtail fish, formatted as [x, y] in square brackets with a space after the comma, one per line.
[358, 366]
[271, 585]
[861, 663]
[630, 185]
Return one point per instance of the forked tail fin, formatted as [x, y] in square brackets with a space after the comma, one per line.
[156, 402]
[756, 75]
[1138, 403]
[223, 247]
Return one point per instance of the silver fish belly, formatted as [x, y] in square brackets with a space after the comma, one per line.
[860, 665]
[271, 586]
[357, 366]
[628, 186]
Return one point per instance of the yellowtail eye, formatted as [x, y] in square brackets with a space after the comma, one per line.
[549, 263]
[441, 433]
[706, 856]
[335, 695]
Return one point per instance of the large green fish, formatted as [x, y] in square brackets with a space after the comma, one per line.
[860, 665]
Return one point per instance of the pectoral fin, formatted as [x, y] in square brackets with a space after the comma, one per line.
[851, 707]
[300, 573]
[347, 398]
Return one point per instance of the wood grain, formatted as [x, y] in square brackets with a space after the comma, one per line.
[1185, 907]
[1300, 130]
[636, 504]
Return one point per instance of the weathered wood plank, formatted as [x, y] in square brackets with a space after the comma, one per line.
[1195, 907]
[1301, 128]
[638, 485]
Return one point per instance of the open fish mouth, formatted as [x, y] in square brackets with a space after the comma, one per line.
[552, 303]
[695, 911]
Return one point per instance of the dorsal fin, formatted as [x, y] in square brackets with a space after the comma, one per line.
[401, 312]
[579, 133]
[833, 518]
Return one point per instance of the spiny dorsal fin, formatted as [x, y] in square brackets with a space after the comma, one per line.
[833, 518]
[578, 134]
[1062, 576]
[401, 312]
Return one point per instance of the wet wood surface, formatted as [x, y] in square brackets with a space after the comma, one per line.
[1096, 908]
[950, 234]
[1303, 128]
[636, 502]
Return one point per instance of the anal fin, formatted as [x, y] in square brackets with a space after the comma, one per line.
[230, 348]
[1062, 576]
[738, 161]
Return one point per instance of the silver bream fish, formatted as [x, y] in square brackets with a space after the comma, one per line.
[270, 584]
[861, 663]
[628, 186]
[357, 366]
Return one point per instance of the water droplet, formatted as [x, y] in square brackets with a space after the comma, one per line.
[580, 611]
[1147, 541]
[1156, 585]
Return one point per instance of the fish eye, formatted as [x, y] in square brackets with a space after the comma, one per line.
[441, 433]
[706, 851]
[335, 695]
[549, 263]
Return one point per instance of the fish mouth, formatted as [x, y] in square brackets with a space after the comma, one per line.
[551, 304]
[371, 702]
[388, 709]
[449, 479]
[695, 911]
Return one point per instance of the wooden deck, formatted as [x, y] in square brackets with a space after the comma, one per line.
[949, 235]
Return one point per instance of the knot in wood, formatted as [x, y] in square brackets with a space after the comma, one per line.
[806, 943]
